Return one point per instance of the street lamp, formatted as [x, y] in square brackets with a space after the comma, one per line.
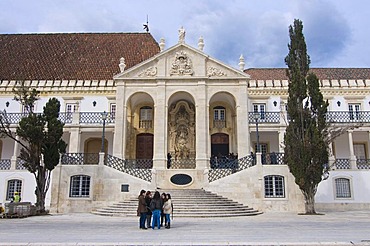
[104, 118]
[256, 117]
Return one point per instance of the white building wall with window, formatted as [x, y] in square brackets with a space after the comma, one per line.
[27, 189]
[326, 197]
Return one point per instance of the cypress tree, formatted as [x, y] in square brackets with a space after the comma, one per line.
[306, 148]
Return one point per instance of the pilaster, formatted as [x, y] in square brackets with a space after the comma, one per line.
[202, 132]
[119, 143]
[160, 128]
[242, 121]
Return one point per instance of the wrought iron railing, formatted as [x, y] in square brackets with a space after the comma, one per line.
[95, 118]
[342, 164]
[139, 163]
[273, 159]
[119, 164]
[232, 167]
[80, 159]
[5, 164]
[182, 164]
[348, 117]
[20, 165]
[264, 117]
[363, 163]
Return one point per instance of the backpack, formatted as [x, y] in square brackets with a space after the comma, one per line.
[152, 205]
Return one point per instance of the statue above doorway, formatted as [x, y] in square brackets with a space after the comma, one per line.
[182, 130]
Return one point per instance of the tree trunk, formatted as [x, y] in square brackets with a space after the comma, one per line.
[40, 193]
[309, 202]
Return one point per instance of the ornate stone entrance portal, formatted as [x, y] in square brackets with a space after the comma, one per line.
[182, 134]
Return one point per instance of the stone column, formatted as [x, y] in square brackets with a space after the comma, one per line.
[74, 140]
[352, 157]
[13, 160]
[160, 128]
[202, 126]
[281, 140]
[242, 122]
[119, 143]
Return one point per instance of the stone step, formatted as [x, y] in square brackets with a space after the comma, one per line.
[187, 203]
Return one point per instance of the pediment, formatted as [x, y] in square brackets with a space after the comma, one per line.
[180, 62]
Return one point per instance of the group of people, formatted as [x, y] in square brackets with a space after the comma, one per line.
[153, 211]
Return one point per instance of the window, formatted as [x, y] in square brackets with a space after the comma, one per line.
[261, 108]
[80, 186]
[342, 188]
[112, 111]
[13, 186]
[146, 116]
[71, 107]
[219, 117]
[274, 186]
[354, 111]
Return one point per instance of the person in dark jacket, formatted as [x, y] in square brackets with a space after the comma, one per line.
[156, 207]
[148, 199]
[142, 209]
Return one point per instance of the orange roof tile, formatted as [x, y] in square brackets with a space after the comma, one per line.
[71, 56]
[322, 73]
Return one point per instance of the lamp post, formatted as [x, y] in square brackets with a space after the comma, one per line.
[256, 117]
[104, 118]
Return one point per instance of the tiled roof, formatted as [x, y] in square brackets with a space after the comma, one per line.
[322, 73]
[85, 56]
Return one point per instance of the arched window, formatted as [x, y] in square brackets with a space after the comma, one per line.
[274, 186]
[219, 117]
[342, 188]
[146, 117]
[13, 186]
[80, 186]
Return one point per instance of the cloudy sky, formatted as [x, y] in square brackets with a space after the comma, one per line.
[336, 31]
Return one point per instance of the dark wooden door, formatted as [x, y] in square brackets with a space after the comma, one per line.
[144, 146]
[220, 144]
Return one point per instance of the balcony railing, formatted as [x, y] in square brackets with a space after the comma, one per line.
[363, 163]
[5, 164]
[342, 164]
[273, 158]
[219, 124]
[80, 159]
[264, 117]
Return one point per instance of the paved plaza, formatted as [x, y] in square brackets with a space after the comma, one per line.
[333, 228]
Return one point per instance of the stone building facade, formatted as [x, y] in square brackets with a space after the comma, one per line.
[140, 116]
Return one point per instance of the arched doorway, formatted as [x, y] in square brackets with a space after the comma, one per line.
[220, 144]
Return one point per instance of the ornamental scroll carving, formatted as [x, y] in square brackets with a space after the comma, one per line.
[215, 72]
[182, 65]
[182, 130]
[149, 72]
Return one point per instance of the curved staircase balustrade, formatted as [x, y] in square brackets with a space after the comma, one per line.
[121, 165]
[231, 167]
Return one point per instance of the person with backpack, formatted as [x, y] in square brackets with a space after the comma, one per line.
[156, 206]
[167, 210]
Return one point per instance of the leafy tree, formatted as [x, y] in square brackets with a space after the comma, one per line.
[306, 144]
[40, 137]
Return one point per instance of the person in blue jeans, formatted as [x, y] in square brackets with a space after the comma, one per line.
[156, 207]
[167, 210]
[142, 209]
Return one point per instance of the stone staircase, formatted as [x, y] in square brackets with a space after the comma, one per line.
[187, 203]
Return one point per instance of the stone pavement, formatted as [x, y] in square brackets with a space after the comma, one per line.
[332, 228]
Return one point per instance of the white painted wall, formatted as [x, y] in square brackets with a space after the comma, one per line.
[28, 186]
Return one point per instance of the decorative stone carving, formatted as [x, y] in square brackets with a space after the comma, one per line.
[215, 72]
[122, 64]
[181, 35]
[149, 72]
[182, 65]
[182, 130]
